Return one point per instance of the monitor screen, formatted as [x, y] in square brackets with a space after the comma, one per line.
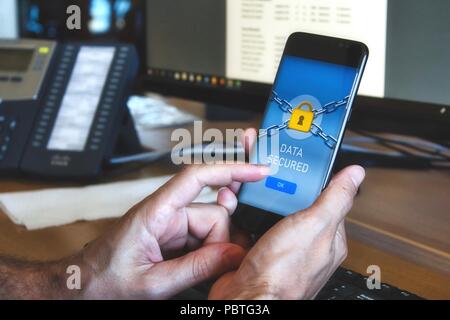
[237, 44]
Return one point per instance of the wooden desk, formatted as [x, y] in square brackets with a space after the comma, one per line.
[400, 222]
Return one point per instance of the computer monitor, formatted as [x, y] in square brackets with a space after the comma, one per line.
[227, 51]
[100, 20]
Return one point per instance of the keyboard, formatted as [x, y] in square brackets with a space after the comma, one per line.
[343, 285]
[348, 285]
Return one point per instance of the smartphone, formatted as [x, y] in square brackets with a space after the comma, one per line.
[302, 128]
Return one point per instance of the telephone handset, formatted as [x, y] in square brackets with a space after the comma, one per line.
[63, 107]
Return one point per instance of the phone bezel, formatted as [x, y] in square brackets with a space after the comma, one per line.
[315, 47]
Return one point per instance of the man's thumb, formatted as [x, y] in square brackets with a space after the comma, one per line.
[337, 198]
[197, 266]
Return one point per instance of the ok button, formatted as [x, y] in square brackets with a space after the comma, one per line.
[281, 185]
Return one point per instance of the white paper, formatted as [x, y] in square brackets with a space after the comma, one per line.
[54, 207]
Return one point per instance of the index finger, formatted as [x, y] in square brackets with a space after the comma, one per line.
[248, 140]
[187, 185]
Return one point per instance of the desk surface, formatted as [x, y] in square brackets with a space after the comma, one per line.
[400, 221]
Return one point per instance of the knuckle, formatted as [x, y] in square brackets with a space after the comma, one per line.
[293, 219]
[190, 169]
[221, 216]
[222, 212]
[319, 222]
[344, 202]
[318, 226]
[305, 216]
[200, 268]
[217, 213]
[194, 172]
[303, 219]
[224, 216]
[348, 189]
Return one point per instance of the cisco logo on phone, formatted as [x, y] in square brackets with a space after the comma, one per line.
[58, 160]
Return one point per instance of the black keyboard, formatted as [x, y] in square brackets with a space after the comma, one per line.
[343, 285]
[348, 285]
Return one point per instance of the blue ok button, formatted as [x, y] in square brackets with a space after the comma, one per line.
[281, 185]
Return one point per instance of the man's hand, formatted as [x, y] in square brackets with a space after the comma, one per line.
[296, 257]
[163, 245]
[166, 244]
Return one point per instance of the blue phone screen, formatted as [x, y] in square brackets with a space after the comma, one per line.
[306, 112]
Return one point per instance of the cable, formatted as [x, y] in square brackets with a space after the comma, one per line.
[210, 149]
[396, 156]
[139, 157]
[419, 146]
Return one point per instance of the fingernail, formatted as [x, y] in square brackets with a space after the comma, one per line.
[264, 170]
[357, 175]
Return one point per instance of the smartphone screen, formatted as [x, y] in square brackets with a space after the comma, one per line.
[306, 113]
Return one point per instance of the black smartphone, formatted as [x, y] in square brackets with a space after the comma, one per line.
[303, 126]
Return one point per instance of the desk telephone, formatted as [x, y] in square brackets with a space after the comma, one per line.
[63, 107]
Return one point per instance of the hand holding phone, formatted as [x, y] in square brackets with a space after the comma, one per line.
[296, 257]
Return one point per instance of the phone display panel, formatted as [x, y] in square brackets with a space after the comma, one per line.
[304, 122]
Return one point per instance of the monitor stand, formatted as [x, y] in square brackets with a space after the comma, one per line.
[214, 112]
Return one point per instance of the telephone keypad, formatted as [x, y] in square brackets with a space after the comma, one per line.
[53, 98]
[7, 126]
[29, 150]
[106, 104]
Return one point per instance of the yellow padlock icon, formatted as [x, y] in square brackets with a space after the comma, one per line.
[301, 120]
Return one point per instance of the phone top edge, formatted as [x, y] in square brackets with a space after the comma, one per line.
[325, 48]
[300, 34]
